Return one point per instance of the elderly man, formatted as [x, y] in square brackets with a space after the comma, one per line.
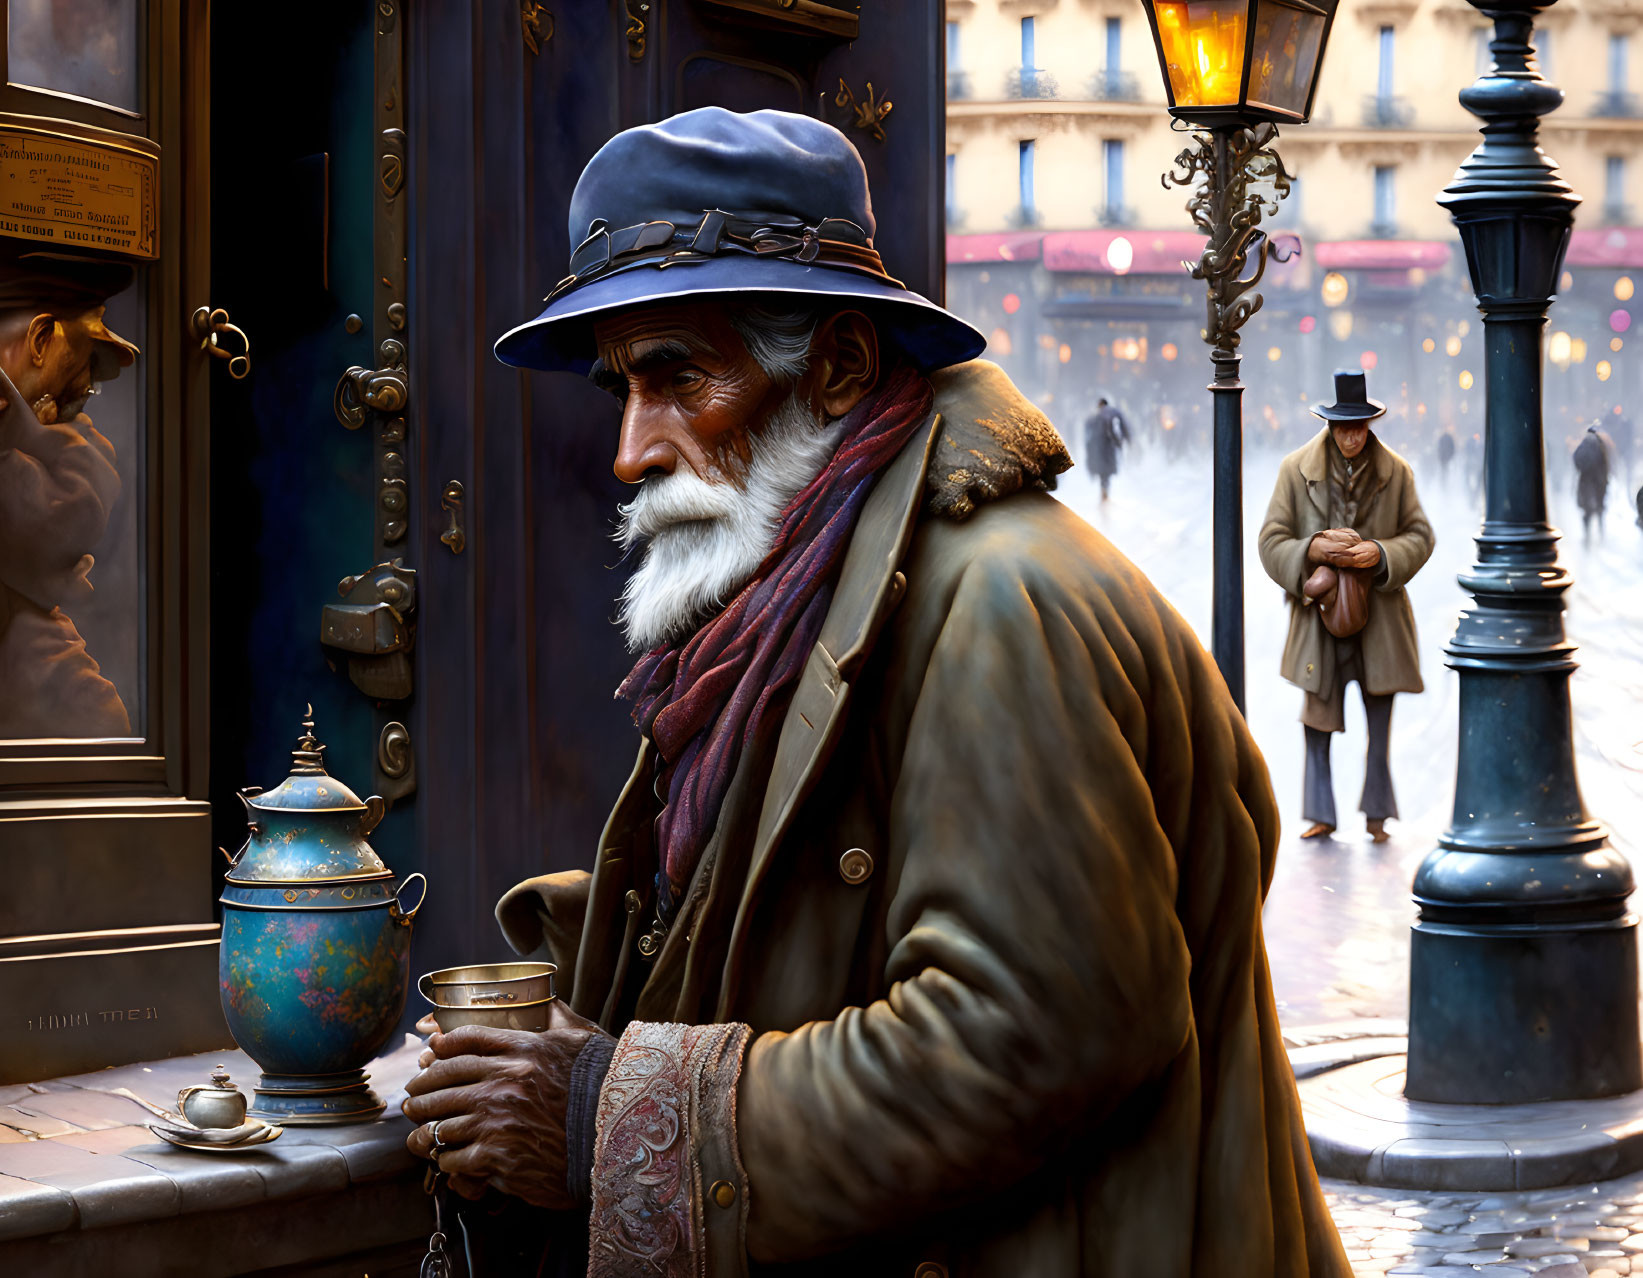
[1346, 502]
[925, 937]
[57, 486]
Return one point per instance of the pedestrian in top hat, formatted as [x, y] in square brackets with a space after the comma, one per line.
[1343, 535]
[926, 935]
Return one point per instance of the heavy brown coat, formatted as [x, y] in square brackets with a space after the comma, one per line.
[1036, 1038]
[1391, 515]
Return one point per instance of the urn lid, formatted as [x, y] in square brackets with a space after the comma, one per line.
[308, 829]
[309, 788]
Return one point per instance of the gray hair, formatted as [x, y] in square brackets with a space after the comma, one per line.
[778, 340]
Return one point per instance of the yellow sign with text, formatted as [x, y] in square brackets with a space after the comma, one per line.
[78, 193]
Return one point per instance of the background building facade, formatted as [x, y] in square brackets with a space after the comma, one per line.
[1066, 248]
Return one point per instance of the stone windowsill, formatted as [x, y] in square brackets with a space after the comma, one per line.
[74, 1157]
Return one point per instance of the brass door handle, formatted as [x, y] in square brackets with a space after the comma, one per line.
[380, 390]
[212, 324]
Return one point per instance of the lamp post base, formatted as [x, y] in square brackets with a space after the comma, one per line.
[1503, 1014]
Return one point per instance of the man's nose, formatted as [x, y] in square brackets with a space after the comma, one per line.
[643, 446]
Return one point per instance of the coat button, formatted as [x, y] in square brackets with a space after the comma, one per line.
[723, 1193]
[930, 1269]
[855, 866]
[1309, 667]
[898, 587]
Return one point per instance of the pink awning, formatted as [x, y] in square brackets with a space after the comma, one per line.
[1381, 255]
[1606, 246]
[1149, 252]
[1003, 246]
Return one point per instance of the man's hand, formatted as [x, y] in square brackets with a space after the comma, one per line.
[500, 1098]
[1365, 554]
[1332, 545]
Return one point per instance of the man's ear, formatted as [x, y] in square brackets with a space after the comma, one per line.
[41, 329]
[844, 361]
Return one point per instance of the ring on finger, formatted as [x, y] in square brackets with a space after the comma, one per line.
[439, 1146]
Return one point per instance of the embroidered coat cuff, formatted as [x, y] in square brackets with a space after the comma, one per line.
[669, 1190]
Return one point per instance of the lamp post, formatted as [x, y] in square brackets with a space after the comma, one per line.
[1234, 70]
[1523, 964]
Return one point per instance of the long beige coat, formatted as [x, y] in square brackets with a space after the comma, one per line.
[1393, 516]
[992, 913]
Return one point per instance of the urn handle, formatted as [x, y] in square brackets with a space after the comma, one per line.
[376, 807]
[397, 910]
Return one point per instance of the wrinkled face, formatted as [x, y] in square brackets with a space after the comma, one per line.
[717, 447]
[691, 392]
[1350, 437]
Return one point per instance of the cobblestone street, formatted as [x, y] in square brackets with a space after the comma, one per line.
[1337, 918]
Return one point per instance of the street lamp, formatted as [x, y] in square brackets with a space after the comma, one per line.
[1523, 966]
[1234, 70]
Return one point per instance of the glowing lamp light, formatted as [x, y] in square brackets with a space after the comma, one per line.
[1623, 289]
[1615, 343]
[1308, 323]
[1429, 346]
[1334, 289]
[1559, 347]
[1012, 303]
[1168, 350]
[1274, 354]
[1368, 360]
[1065, 353]
[1451, 348]
[1466, 379]
[1620, 321]
[1228, 62]
[1120, 255]
[1340, 325]
[1604, 368]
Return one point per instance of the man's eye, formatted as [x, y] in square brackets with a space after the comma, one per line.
[688, 378]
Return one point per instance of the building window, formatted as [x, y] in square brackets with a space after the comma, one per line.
[958, 79]
[1029, 53]
[1386, 200]
[953, 217]
[1115, 30]
[1614, 189]
[1028, 212]
[1112, 167]
[1619, 48]
[1383, 77]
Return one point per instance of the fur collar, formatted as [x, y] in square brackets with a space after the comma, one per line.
[993, 441]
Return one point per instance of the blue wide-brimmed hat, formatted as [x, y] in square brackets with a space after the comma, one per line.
[760, 206]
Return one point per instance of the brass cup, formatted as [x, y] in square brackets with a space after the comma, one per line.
[499, 995]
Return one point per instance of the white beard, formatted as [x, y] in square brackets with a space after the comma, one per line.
[707, 537]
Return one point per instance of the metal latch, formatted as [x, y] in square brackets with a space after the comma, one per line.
[373, 626]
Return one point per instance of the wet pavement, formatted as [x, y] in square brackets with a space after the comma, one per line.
[1337, 918]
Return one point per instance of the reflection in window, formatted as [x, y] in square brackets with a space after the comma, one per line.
[71, 490]
[84, 47]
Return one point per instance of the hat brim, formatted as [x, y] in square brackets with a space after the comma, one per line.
[561, 337]
[1364, 412]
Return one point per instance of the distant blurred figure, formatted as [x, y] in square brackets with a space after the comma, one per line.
[1446, 454]
[1105, 432]
[1639, 500]
[1591, 480]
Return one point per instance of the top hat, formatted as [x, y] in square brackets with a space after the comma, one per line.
[66, 284]
[712, 202]
[1352, 402]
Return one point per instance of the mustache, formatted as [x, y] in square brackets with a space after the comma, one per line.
[665, 501]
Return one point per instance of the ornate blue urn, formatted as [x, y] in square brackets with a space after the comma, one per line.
[316, 944]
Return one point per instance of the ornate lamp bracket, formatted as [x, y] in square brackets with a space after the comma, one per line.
[1224, 169]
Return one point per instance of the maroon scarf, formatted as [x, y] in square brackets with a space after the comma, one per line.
[702, 702]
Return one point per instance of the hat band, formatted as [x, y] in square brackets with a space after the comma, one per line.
[833, 242]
